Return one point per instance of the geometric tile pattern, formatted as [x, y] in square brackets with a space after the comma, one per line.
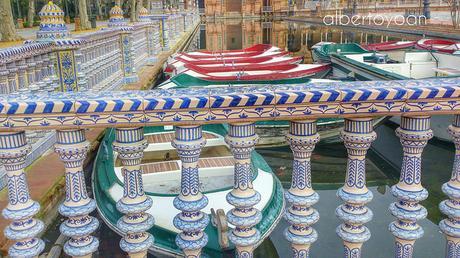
[203, 105]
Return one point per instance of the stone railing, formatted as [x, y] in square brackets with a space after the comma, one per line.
[187, 109]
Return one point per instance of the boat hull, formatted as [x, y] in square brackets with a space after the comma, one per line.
[106, 183]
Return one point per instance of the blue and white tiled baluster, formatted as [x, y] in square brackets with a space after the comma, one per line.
[72, 148]
[242, 139]
[414, 133]
[21, 209]
[357, 136]
[12, 83]
[302, 138]
[191, 220]
[130, 144]
[451, 207]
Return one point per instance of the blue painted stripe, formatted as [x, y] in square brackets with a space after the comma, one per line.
[169, 103]
[283, 99]
[449, 92]
[268, 98]
[300, 97]
[118, 105]
[252, 99]
[49, 105]
[236, 100]
[152, 104]
[30, 108]
[185, 103]
[13, 108]
[334, 95]
[217, 102]
[433, 92]
[101, 106]
[67, 106]
[365, 95]
[416, 94]
[84, 106]
[348, 95]
[136, 104]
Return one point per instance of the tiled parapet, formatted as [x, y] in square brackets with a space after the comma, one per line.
[414, 134]
[302, 138]
[357, 137]
[191, 221]
[72, 148]
[451, 207]
[24, 229]
[130, 145]
[242, 140]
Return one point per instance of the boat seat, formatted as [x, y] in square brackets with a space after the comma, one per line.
[173, 165]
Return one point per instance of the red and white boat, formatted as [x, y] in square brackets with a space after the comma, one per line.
[176, 67]
[187, 58]
[247, 52]
[269, 73]
[441, 45]
[390, 45]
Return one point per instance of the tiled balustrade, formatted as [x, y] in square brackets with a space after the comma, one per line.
[129, 111]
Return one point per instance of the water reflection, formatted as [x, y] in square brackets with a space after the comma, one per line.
[231, 34]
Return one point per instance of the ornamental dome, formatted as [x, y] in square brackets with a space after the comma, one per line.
[116, 17]
[144, 14]
[52, 24]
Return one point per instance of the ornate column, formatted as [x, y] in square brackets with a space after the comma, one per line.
[414, 133]
[302, 138]
[21, 209]
[72, 148]
[4, 89]
[451, 207]
[12, 70]
[30, 72]
[242, 139]
[130, 144]
[357, 136]
[22, 76]
[191, 221]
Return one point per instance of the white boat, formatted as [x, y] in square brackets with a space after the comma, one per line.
[396, 65]
[161, 177]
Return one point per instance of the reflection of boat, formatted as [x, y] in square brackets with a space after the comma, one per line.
[322, 53]
[161, 176]
[396, 65]
[242, 53]
[265, 74]
[441, 45]
[254, 48]
[390, 45]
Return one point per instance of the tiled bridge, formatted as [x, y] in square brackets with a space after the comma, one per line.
[130, 111]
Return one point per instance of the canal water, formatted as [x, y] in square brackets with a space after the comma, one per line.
[328, 160]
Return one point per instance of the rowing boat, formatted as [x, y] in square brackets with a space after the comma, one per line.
[390, 45]
[161, 180]
[440, 45]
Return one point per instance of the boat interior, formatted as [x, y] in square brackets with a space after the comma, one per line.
[412, 64]
[161, 164]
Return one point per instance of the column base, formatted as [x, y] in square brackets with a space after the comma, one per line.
[32, 251]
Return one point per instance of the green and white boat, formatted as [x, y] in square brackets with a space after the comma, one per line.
[321, 52]
[161, 176]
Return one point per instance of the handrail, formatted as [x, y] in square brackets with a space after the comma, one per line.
[207, 105]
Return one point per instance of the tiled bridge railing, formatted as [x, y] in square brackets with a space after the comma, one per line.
[129, 112]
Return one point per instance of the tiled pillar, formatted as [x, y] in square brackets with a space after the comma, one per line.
[151, 44]
[242, 139]
[414, 133]
[67, 67]
[357, 136]
[451, 207]
[4, 88]
[191, 221]
[164, 33]
[72, 148]
[302, 138]
[21, 209]
[12, 70]
[130, 75]
[22, 75]
[130, 144]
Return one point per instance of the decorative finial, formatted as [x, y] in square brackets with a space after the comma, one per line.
[52, 24]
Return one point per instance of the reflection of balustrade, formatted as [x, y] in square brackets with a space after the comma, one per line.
[357, 102]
